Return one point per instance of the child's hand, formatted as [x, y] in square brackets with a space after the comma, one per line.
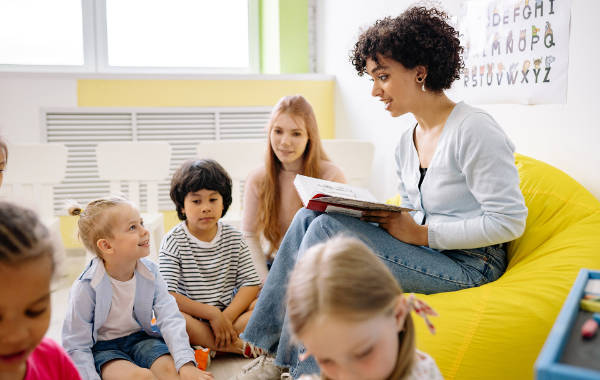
[223, 329]
[190, 372]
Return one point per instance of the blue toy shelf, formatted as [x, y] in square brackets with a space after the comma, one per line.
[548, 365]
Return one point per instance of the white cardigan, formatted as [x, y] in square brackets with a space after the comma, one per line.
[470, 194]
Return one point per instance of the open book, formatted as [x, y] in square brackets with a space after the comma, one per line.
[327, 196]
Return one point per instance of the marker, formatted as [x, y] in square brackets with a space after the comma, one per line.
[592, 305]
[592, 297]
[590, 327]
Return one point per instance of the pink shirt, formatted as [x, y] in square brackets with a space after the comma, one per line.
[290, 201]
[49, 362]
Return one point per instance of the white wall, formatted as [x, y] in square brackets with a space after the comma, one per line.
[566, 136]
[22, 96]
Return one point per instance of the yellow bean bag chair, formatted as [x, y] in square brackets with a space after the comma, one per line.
[496, 331]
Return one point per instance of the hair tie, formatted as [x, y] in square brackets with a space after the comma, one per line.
[423, 310]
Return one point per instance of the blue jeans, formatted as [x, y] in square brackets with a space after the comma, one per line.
[417, 269]
[138, 348]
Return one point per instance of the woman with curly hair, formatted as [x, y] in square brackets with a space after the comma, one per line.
[455, 169]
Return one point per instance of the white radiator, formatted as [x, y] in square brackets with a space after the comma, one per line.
[80, 129]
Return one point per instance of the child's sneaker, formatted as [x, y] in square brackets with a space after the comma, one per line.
[203, 356]
[250, 351]
[261, 368]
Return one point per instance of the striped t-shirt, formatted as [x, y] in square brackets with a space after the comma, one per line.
[206, 272]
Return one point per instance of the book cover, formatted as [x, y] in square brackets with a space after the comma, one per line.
[327, 196]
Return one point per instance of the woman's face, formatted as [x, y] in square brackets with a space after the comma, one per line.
[288, 140]
[393, 84]
[347, 349]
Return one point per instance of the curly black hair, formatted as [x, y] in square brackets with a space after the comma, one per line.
[195, 175]
[420, 36]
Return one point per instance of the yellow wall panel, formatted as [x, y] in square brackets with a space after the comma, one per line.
[170, 219]
[68, 231]
[208, 93]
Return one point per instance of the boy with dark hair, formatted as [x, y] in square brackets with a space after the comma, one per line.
[206, 263]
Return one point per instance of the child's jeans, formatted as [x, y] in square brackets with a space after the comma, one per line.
[138, 348]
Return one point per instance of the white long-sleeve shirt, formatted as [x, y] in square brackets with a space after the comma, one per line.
[471, 193]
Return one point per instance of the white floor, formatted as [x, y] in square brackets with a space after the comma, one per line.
[222, 368]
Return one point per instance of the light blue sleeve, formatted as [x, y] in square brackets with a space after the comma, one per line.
[78, 328]
[171, 323]
[485, 157]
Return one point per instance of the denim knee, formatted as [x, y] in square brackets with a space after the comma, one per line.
[303, 215]
[321, 229]
[330, 225]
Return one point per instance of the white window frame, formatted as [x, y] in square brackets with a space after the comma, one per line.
[95, 49]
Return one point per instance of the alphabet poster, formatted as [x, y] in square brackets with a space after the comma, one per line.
[516, 51]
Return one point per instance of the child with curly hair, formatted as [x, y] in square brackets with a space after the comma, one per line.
[206, 263]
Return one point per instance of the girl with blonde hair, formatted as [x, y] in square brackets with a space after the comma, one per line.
[108, 330]
[270, 199]
[343, 303]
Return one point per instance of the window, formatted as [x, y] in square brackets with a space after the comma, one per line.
[41, 33]
[183, 33]
[107, 36]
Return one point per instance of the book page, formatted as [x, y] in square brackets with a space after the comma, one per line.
[363, 205]
[308, 187]
[344, 210]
